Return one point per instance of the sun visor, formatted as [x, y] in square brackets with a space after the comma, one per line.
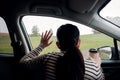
[82, 6]
[46, 10]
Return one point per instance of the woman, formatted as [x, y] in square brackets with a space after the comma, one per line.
[68, 64]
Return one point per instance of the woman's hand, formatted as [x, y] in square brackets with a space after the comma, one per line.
[45, 39]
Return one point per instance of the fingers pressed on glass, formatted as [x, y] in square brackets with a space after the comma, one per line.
[50, 34]
[45, 38]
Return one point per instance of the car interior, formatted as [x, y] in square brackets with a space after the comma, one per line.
[13, 24]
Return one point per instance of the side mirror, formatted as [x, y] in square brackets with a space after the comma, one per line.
[105, 52]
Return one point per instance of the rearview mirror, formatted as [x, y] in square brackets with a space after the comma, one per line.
[105, 52]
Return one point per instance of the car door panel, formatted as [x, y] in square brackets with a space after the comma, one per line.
[6, 67]
[111, 69]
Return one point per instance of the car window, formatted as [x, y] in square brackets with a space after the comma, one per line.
[111, 12]
[90, 38]
[5, 47]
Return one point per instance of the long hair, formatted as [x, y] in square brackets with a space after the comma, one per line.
[71, 65]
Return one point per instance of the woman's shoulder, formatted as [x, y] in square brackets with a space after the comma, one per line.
[93, 71]
[90, 64]
[52, 55]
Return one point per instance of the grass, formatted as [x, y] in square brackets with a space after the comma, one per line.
[52, 48]
[5, 46]
[87, 42]
[95, 41]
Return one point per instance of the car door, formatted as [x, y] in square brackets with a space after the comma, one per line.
[11, 50]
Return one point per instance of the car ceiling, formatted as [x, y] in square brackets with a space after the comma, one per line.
[78, 8]
[82, 11]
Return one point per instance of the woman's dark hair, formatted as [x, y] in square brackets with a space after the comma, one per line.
[71, 65]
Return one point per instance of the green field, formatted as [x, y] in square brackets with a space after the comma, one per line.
[5, 46]
[95, 41]
[87, 42]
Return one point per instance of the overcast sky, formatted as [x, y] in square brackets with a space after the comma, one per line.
[112, 9]
[3, 27]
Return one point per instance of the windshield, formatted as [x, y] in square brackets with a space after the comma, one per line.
[111, 12]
